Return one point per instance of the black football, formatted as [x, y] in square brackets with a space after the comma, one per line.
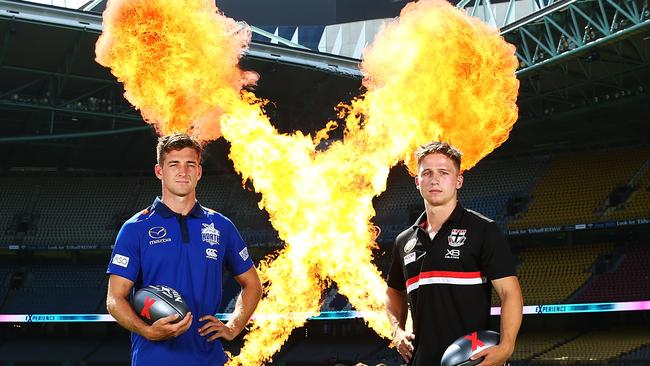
[459, 352]
[157, 301]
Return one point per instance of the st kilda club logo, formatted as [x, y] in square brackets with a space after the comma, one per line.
[457, 237]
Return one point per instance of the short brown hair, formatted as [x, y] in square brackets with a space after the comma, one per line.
[176, 141]
[441, 148]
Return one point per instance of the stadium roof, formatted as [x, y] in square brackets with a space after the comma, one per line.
[52, 90]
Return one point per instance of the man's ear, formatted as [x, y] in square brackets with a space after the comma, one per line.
[158, 170]
[459, 182]
[417, 182]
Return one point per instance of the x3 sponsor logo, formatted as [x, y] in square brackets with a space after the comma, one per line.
[453, 254]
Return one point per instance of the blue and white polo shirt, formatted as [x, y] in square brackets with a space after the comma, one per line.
[160, 247]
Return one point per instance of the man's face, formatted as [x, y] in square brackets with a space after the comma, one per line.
[179, 171]
[438, 179]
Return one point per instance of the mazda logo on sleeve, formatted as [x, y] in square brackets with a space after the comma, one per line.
[157, 232]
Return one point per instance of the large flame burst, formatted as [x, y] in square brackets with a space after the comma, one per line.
[433, 74]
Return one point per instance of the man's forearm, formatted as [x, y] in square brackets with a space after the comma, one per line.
[511, 316]
[396, 309]
[121, 310]
[246, 303]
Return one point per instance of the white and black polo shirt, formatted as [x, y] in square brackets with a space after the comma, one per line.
[447, 278]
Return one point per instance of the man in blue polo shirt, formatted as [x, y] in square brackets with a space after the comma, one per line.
[181, 244]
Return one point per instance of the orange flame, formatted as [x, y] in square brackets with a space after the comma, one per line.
[436, 74]
[433, 74]
[177, 59]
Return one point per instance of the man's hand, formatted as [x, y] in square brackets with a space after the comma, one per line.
[216, 329]
[403, 342]
[494, 356]
[163, 329]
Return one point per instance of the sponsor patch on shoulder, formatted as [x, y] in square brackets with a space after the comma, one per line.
[244, 254]
[120, 260]
[409, 258]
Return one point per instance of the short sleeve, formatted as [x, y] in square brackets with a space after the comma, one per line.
[395, 277]
[497, 260]
[125, 259]
[237, 258]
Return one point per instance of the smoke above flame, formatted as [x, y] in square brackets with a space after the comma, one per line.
[433, 74]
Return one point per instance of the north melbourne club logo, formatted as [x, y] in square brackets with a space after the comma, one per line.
[457, 237]
[210, 234]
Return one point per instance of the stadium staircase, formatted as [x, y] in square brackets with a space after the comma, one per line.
[638, 203]
[637, 185]
[639, 356]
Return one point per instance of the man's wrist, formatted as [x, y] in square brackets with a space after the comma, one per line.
[145, 332]
[509, 346]
[234, 328]
[396, 331]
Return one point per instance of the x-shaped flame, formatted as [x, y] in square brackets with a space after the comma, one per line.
[434, 74]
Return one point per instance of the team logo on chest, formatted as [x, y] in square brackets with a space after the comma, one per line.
[457, 237]
[210, 234]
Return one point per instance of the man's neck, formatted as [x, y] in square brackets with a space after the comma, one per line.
[180, 205]
[437, 215]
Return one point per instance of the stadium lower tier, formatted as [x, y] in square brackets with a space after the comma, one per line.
[553, 340]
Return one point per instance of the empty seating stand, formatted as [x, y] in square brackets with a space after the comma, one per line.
[629, 281]
[602, 345]
[573, 187]
[545, 279]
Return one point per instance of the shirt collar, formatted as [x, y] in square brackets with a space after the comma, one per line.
[164, 211]
[455, 216]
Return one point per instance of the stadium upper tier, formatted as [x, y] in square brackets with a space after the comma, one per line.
[517, 193]
[573, 188]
